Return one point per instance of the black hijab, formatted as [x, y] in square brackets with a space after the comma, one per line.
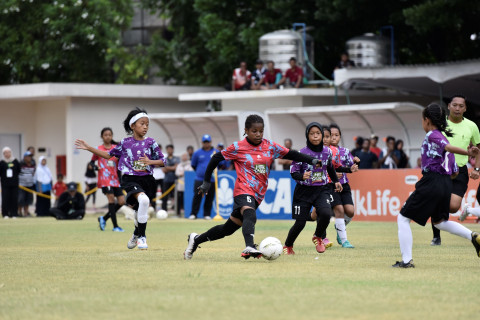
[311, 146]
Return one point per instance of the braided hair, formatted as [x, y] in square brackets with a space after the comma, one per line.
[437, 116]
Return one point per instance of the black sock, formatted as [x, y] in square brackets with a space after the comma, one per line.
[112, 207]
[294, 232]
[217, 232]
[248, 227]
[323, 220]
[136, 232]
[436, 232]
[141, 229]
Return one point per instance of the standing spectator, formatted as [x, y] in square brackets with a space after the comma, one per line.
[224, 165]
[32, 151]
[91, 183]
[345, 62]
[373, 146]
[284, 163]
[9, 172]
[258, 75]
[43, 179]
[190, 152]
[58, 188]
[71, 204]
[200, 160]
[368, 159]
[294, 75]
[171, 163]
[401, 155]
[271, 78]
[25, 179]
[183, 166]
[388, 159]
[241, 77]
[358, 146]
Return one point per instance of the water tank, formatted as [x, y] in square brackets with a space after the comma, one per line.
[369, 50]
[279, 46]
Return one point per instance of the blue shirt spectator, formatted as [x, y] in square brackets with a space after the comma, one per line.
[201, 158]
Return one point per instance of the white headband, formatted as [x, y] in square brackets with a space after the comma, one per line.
[138, 116]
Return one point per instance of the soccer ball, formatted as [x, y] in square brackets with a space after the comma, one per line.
[271, 248]
[162, 214]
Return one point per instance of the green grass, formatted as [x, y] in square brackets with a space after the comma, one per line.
[70, 270]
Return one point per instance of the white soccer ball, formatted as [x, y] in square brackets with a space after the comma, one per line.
[162, 214]
[271, 248]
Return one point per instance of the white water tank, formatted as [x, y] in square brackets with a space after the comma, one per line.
[369, 50]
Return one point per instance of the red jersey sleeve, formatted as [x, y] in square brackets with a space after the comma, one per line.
[231, 152]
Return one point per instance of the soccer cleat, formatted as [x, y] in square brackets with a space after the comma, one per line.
[288, 250]
[251, 252]
[192, 217]
[101, 223]
[476, 242]
[339, 241]
[327, 243]
[318, 244]
[464, 213]
[132, 243]
[142, 243]
[436, 242]
[191, 247]
[347, 244]
[117, 229]
[401, 264]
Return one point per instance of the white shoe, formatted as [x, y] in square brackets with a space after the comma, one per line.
[207, 218]
[142, 243]
[192, 217]
[6, 217]
[251, 252]
[464, 213]
[132, 243]
[191, 247]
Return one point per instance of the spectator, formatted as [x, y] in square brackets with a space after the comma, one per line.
[401, 155]
[373, 145]
[71, 204]
[91, 183]
[358, 146]
[183, 166]
[190, 152]
[43, 179]
[224, 165]
[271, 78]
[241, 78]
[258, 75]
[388, 159]
[58, 188]
[9, 172]
[294, 75]
[345, 62]
[419, 163]
[25, 179]
[200, 160]
[284, 163]
[32, 151]
[368, 159]
[171, 163]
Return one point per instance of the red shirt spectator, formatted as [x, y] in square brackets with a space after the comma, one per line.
[294, 74]
[59, 187]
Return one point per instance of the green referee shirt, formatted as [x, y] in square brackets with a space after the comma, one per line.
[463, 133]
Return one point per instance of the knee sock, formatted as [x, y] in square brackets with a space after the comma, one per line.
[405, 238]
[143, 203]
[475, 211]
[218, 232]
[112, 210]
[455, 228]
[347, 220]
[108, 215]
[294, 232]
[340, 227]
[436, 232]
[323, 220]
[248, 227]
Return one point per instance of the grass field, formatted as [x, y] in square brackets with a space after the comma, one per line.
[70, 270]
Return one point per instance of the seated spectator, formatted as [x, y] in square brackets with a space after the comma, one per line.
[368, 159]
[241, 78]
[388, 159]
[344, 62]
[258, 75]
[271, 78]
[71, 204]
[401, 155]
[373, 145]
[294, 75]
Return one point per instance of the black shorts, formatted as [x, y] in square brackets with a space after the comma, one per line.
[431, 198]
[136, 184]
[116, 191]
[460, 183]
[344, 197]
[304, 198]
[243, 200]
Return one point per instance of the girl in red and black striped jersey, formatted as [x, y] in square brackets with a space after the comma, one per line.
[252, 157]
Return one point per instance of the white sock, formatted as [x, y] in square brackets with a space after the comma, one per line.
[143, 203]
[347, 220]
[340, 227]
[405, 238]
[475, 211]
[455, 228]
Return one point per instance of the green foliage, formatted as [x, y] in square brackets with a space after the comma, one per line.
[61, 40]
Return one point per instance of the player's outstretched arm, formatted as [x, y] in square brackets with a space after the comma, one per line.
[470, 152]
[81, 144]
[212, 164]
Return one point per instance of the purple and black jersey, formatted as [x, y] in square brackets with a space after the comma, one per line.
[319, 174]
[434, 156]
[343, 158]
